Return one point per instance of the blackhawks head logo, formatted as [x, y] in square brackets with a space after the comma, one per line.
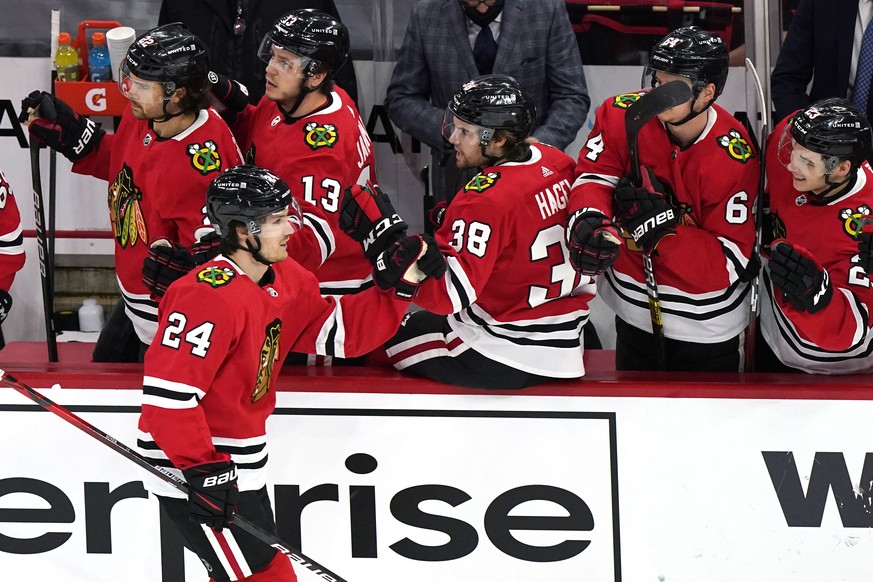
[125, 212]
[736, 145]
[216, 276]
[320, 136]
[624, 100]
[854, 220]
[269, 356]
[482, 182]
[205, 158]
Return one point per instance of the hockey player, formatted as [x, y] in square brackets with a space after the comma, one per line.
[11, 244]
[816, 299]
[209, 375]
[692, 215]
[168, 148]
[309, 132]
[509, 311]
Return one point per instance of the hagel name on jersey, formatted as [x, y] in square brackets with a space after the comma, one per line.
[553, 198]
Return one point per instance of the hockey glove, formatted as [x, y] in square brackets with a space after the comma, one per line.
[406, 263]
[164, 265]
[593, 241]
[206, 249]
[644, 211]
[865, 247]
[803, 282]
[227, 96]
[213, 493]
[437, 214]
[5, 304]
[55, 124]
[366, 215]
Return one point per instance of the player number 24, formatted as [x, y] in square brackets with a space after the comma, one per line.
[197, 338]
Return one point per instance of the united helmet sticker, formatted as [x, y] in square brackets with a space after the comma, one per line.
[205, 158]
[216, 276]
[736, 146]
[320, 136]
[482, 182]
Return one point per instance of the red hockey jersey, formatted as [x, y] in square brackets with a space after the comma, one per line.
[838, 339]
[319, 156]
[11, 245]
[698, 271]
[157, 189]
[209, 374]
[510, 289]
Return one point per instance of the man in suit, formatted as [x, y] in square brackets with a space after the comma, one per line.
[822, 45]
[535, 45]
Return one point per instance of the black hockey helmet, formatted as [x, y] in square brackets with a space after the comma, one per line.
[492, 102]
[694, 53]
[834, 128]
[248, 194]
[309, 33]
[169, 54]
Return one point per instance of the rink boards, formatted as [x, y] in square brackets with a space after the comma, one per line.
[383, 477]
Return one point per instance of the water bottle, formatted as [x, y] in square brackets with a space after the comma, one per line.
[66, 59]
[90, 316]
[98, 59]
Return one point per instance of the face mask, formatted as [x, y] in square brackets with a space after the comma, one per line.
[483, 19]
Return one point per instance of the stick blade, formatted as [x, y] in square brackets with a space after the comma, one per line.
[658, 100]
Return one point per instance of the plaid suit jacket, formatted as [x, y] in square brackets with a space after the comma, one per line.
[536, 46]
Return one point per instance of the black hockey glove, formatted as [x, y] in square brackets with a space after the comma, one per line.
[58, 126]
[865, 246]
[5, 304]
[164, 265]
[366, 215]
[803, 282]
[213, 493]
[593, 241]
[644, 211]
[437, 214]
[406, 263]
[227, 96]
[206, 249]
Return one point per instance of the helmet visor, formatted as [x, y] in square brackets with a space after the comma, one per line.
[797, 158]
[285, 60]
[134, 88]
[458, 131]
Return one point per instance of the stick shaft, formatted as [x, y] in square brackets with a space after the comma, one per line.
[42, 245]
[255, 530]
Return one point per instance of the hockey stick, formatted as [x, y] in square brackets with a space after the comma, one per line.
[269, 538]
[428, 199]
[44, 255]
[758, 211]
[639, 113]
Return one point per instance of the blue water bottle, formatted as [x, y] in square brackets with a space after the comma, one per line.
[98, 59]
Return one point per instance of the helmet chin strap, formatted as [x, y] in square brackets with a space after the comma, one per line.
[254, 250]
[304, 91]
[692, 114]
[834, 189]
